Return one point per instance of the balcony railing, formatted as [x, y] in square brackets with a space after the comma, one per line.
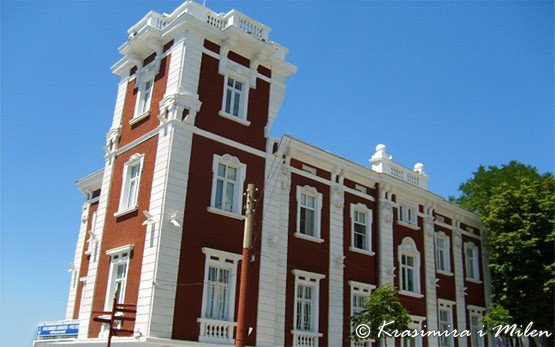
[216, 331]
[219, 20]
[382, 162]
[305, 338]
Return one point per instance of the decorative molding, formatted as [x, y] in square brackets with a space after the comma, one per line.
[338, 197]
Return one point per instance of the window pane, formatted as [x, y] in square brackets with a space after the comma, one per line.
[221, 170]
[228, 95]
[238, 85]
[230, 187]
[310, 201]
[309, 228]
[230, 82]
[236, 102]
[219, 193]
[231, 173]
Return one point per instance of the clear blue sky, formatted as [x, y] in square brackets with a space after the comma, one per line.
[452, 85]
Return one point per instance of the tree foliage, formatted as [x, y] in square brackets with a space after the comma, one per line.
[383, 306]
[496, 315]
[517, 207]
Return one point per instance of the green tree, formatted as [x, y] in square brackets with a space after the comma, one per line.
[496, 315]
[517, 207]
[382, 306]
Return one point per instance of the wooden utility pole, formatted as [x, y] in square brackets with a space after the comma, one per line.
[241, 336]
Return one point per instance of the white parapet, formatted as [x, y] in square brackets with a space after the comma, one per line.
[382, 162]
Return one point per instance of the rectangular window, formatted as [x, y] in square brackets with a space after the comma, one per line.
[443, 262]
[360, 230]
[217, 294]
[233, 97]
[472, 262]
[226, 187]
[407, 214]
[145, 96]
[358, 303]
[117, 281]
[445, 324]
[131, 180]
[477, 340]
[305, 307]
[307, 215]
[407, 273]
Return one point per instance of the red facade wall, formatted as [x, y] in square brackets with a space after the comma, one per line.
[211, 90]
[131, 132]
[308, 256]
[206, 229]
[415, 306]
[127, 229]
[83, 269]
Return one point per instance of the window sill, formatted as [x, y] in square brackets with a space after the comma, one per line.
[408, 225]
[444, 273]
[361, 251]
[126, 211]
[308, 237]
[473, 280]
[138, 118]
[306, 332]
[414, 295]
[225, 213]
[235, 119]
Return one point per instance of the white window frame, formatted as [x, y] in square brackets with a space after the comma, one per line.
[407, 214]
[308, 279]
[135, 160]
[361, 208]
[237, 207]
[312, 192]
[364, 290]
[143, 112]
[443, 254]
[118, 256]
[475, 312]
[241, 117]
[473, 264]
[408, 248]
[446, 306]
[416, 323]
[220, 260]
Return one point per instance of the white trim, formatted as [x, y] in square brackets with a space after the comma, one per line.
[229, 161]
[408, 225]
[407, 293]
[361, 208]
[237, 77]
[219, 260]
[225, 213]
[136, 160]
[446, 253]
[310, 192]
[121, 249]
[475, 262]
[408, 248]
[308, 279]
[477, 309]
[118, 214]
[226, 115]
[308, 237]
[309, 169]
[139, 118]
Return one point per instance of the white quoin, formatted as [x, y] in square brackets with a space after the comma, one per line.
[382, 162]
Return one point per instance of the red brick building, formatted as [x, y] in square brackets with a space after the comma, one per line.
[162, 222]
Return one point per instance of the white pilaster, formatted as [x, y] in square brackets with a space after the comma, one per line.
[76, 264]
[89, 290]
[157, 288]
[459, 284]
[335, 313]
[273, 255]
[431, 280]
[386, 261]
